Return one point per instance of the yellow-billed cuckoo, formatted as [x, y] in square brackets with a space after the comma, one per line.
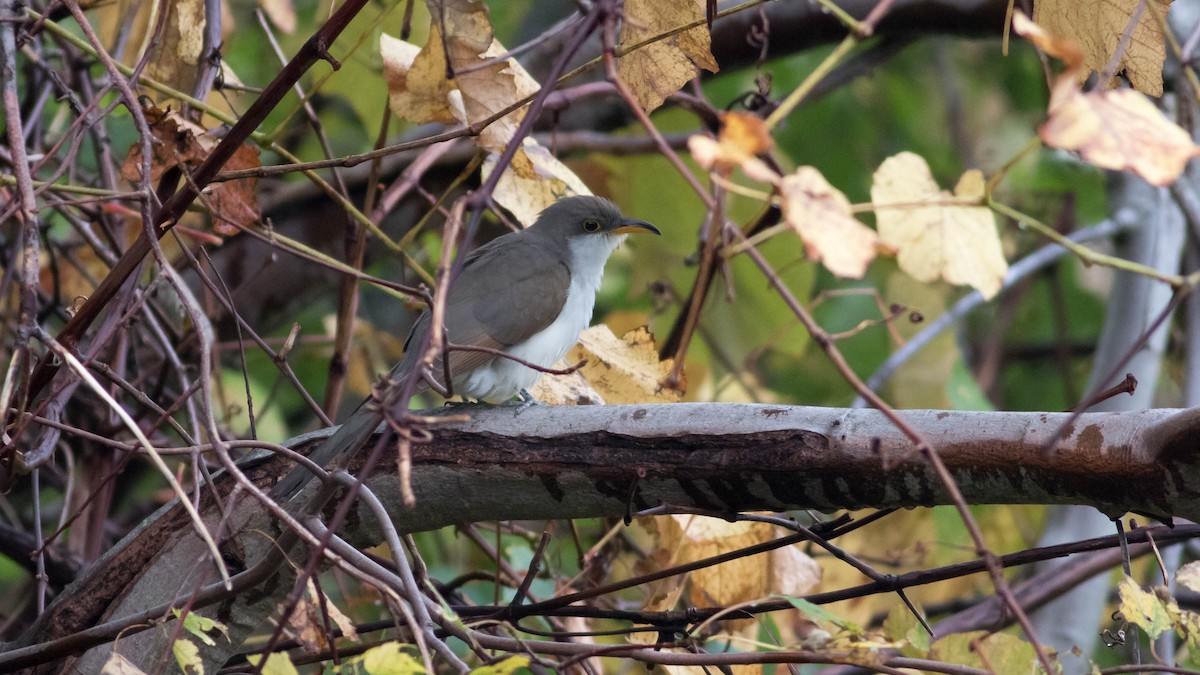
[528, 294]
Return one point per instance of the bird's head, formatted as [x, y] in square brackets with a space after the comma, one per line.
[584, 218]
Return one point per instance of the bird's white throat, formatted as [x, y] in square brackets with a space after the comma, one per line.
[501, 378]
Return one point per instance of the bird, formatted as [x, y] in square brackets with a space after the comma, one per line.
[528, 294]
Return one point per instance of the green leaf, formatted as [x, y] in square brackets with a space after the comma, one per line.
[278, 663]
[201, 626]
[1143, 608]
[902, 627]
[390, 659]
[819, 614]
[1002, 653]
[187, 655]
[506, 667]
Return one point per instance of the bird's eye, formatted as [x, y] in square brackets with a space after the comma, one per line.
[591, 226]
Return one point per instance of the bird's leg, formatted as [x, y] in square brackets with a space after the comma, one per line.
[526, 402]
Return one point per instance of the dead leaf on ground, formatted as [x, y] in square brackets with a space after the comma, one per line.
[1097, 27]
[937, 234]
[1117, 129]
[822, 216]
[659, 69]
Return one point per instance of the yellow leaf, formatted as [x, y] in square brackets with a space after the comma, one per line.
[934, 233]
[486, 89]
[187, 655]
[617, 370]
[506, 667]
[625, 369]
[1004, 653]
[201, 626]
[418, 90]
[821, 215]
[730, 582]
[119, 665]
[1098, 28]
[534, 180]
[1122, 130]
[1117, 129]
[1143, 608]
[390, 659]
[277, 663]
[483, 87]
[1186, 623]
[655, 71]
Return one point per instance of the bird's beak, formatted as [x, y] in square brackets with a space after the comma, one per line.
[630, 226]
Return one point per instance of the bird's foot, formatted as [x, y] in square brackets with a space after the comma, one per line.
[525, 402]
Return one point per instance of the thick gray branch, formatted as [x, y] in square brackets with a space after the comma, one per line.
[547, 462]
[554, 462]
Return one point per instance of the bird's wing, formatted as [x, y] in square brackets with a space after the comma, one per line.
[474, 316]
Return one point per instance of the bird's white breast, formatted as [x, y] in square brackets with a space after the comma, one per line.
[501, 378]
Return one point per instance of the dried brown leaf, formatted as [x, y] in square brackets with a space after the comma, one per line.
[175, 141]
[234, 203]
[1117, 129]
[534, 180]
[486, 90]
[179, 142]
[655, 71]
[1097, 27]
[179, 47]
[483, 87]
[418, 90]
